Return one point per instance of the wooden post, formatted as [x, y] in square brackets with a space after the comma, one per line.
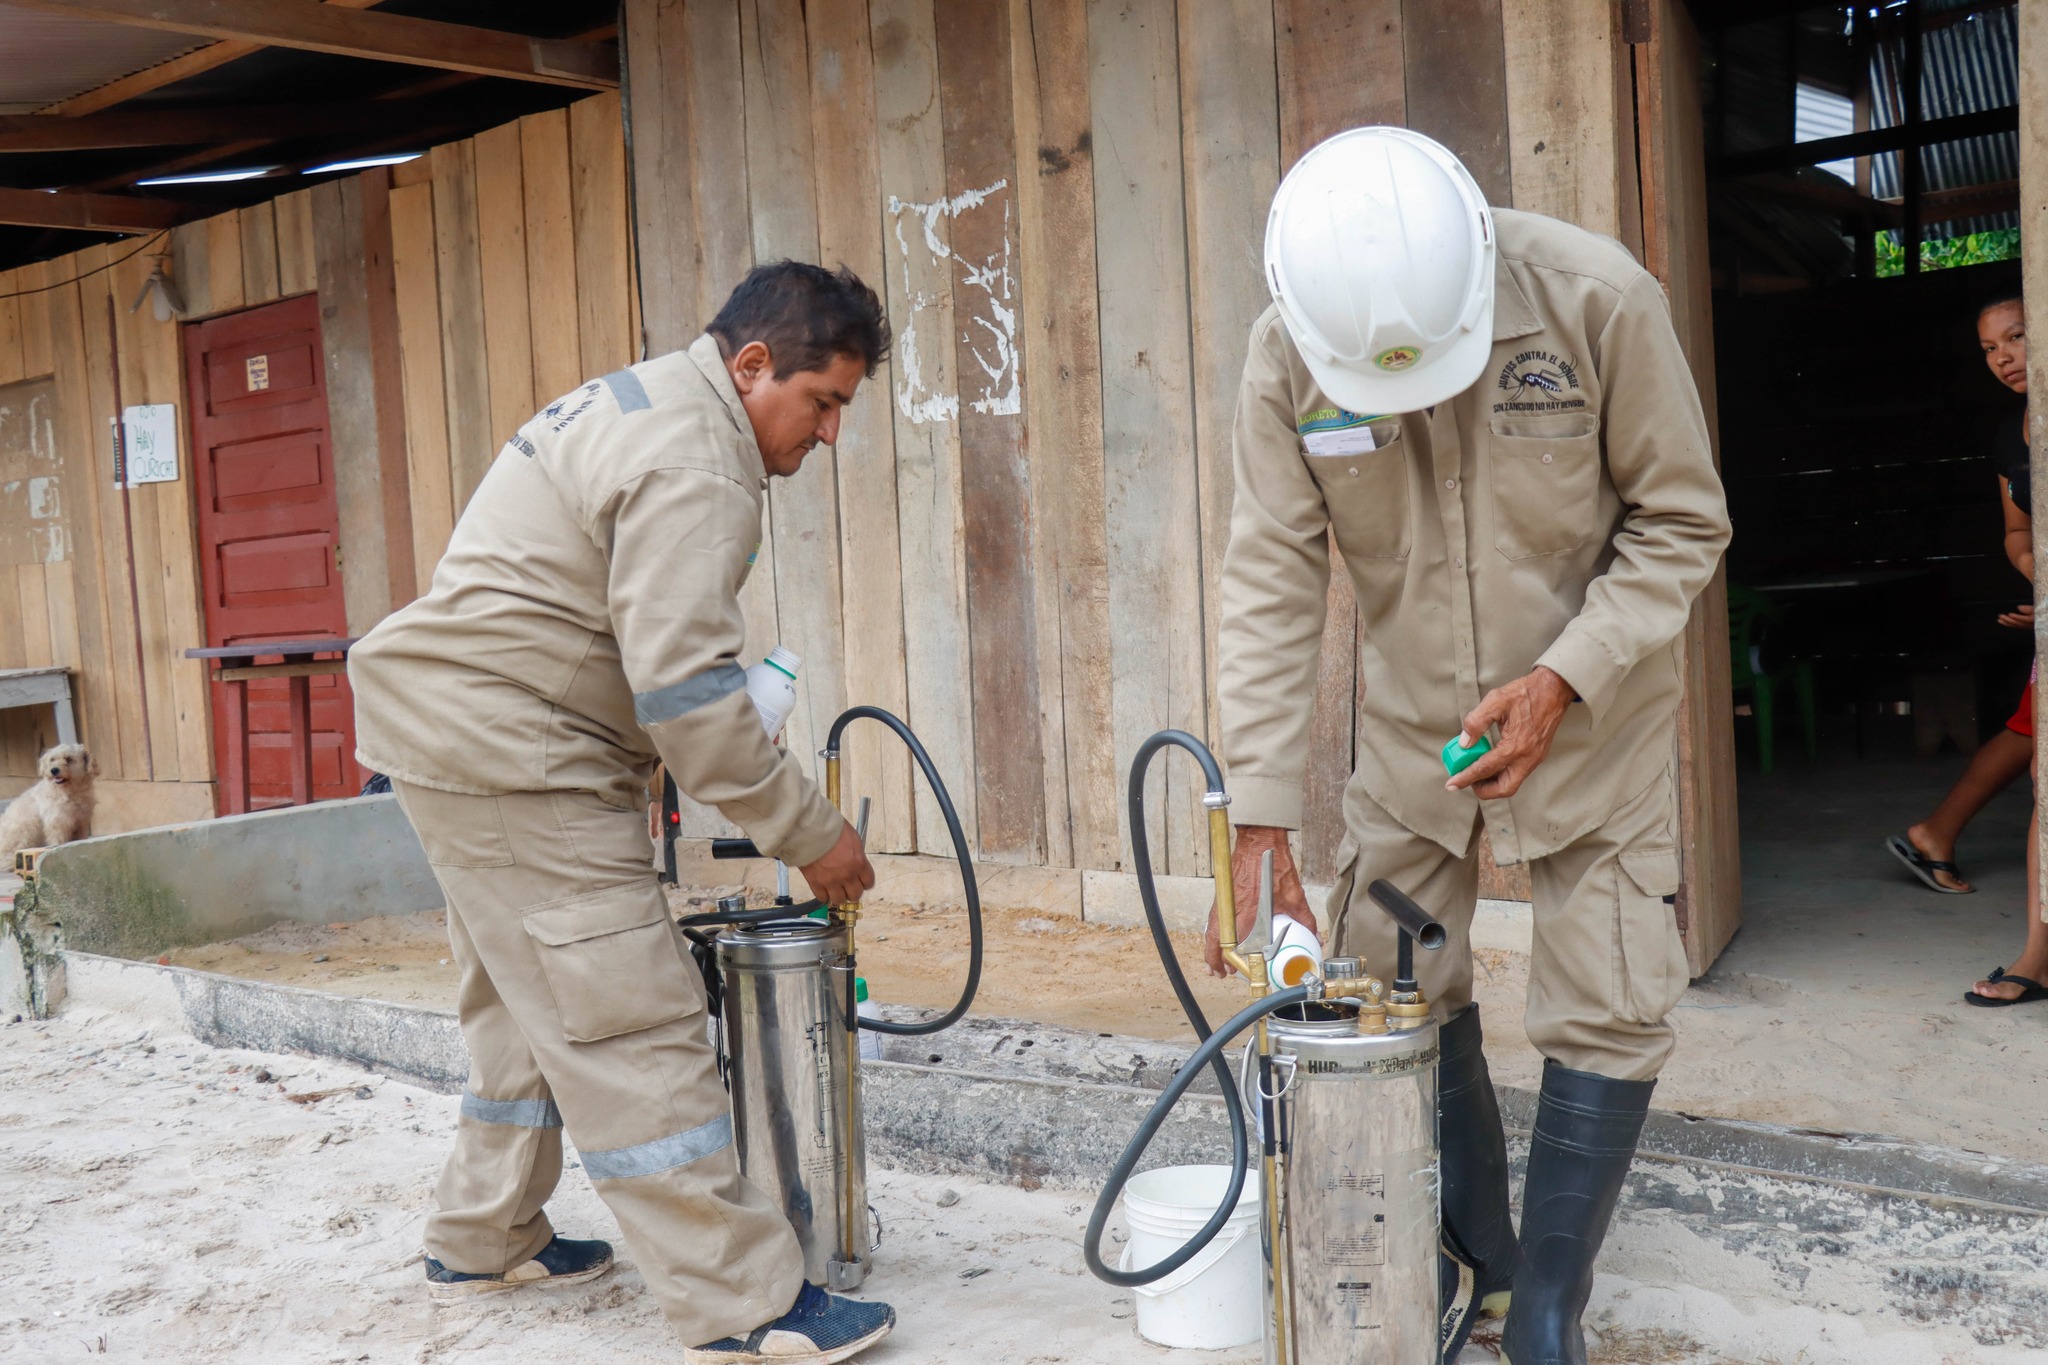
[300, 699]
[237, 774]
[2033, 23]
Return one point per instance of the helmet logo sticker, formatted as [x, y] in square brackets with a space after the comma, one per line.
[1539, 381]
[1397, 358]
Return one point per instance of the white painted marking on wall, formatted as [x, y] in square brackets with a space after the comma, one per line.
[982, 304]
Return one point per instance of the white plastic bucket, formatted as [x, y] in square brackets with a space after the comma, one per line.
[1215, 1300]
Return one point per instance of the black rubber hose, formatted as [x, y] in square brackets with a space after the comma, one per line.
[1240, 1157]
[767, 914]
[1210, 1052]
[961, 851]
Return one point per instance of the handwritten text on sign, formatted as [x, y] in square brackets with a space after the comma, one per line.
[151, 441]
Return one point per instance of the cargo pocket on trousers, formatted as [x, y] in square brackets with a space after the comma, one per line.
[1650, 970]
[613, 962]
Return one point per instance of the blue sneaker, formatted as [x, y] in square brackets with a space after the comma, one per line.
[559, 1262]
[819, 1329]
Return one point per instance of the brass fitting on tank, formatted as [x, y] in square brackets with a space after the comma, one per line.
[1407, 1009]
[1369, 991]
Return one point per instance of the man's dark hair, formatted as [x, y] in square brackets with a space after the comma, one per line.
[806, 316]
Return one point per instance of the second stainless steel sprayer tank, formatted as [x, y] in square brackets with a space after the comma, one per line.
[780, 980]
[1355, 1116]
[1341, 1071]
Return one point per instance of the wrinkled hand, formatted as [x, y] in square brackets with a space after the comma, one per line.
[1528, 712]
[1288, 897]
[843, 874]
[2019, 618]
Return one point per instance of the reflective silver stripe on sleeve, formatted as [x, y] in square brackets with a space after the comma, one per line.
[517, 1113]
[679, 699]
[662, 1154]
[628, 390]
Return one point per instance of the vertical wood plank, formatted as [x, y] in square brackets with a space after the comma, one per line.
[353, 396]
[260, 280]
[224, 262]
[1009, 755]
[1339, 66]
[1063, 413]
[850, 231]
[501, 255]
[916, 236]
[17, 725]
[550, 254]
[800, 558]
[466, 379]
[297, 272]
[1563, 155]
[1230, 132]
[98, 718]
[142, 381]
[597, 162]
[124, 674]
[36, 355]
[669, 250]
[1673, 160]
[413, 263]
[381, 291]
[1152, 504]
[721, 173]
[1456, 62]
[192, 267]
[13, 365]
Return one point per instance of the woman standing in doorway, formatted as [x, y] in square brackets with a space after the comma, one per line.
[1927, 849]
[2002, 330]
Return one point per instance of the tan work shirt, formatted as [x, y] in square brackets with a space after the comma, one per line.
[586, 617]
[1563, 511]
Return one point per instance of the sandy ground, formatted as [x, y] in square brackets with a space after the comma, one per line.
[1873, 1055]
[166, 1202]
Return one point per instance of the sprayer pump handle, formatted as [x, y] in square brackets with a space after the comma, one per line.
[734, 848]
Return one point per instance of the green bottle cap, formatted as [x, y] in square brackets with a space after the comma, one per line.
[1457, 757]
[860, 990]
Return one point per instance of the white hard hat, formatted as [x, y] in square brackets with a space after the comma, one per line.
[1379, 251]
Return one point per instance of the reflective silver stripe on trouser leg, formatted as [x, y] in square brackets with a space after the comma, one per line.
[516, 1113]
[679, 699]
[662, 1154]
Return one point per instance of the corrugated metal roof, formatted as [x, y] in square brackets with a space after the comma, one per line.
[49, 57]
[1967, 66]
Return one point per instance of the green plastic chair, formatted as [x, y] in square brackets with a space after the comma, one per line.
[1750, 617]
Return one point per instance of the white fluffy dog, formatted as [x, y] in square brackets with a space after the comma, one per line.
[56, 810]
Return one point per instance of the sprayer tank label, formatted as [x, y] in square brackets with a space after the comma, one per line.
[1371, 1066]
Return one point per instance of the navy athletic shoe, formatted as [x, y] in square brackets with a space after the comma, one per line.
[819, 1329]
[559, 1262]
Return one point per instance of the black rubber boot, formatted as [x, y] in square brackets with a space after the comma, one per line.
[1478, 1262]
[1585, 1136]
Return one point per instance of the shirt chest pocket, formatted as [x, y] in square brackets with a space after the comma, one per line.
[1546, 484]
[1366, 496]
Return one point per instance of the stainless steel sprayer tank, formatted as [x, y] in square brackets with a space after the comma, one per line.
[780, 980]
[1342, 1073]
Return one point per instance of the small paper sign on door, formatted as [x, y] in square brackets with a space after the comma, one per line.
[258, 369]
[150, 438]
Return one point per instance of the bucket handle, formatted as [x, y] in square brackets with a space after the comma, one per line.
[1197, 1265]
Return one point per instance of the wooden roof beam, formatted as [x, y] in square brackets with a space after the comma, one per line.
[367, 34]
[156, 77]
[94, 212]
[179, 127]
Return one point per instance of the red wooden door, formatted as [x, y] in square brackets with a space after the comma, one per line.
[269, 530]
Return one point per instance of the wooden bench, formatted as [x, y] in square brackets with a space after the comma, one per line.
[41, 687]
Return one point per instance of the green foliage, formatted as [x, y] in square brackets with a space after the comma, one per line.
[1977, 248]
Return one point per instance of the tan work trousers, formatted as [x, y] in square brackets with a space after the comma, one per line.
[1608, 964]
[581, 1007]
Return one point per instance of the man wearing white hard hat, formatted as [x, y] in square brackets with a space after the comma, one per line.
[1489, 412]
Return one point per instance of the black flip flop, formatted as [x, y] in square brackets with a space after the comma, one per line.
[2034, 990]
[1924, 867]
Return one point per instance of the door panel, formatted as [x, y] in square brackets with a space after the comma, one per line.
[269, 529]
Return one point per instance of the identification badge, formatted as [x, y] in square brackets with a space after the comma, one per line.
[1345, 441]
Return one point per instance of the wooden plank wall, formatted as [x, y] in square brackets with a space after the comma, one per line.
[1063, 203]
[442, 323]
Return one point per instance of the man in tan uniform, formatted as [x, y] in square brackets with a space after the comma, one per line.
[584, 621]
[1525, 530]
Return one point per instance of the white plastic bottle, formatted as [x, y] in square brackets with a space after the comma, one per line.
[870, 1041]
[1296, 951]
[772, 685]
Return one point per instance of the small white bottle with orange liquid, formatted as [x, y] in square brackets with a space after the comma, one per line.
[1297, 953]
